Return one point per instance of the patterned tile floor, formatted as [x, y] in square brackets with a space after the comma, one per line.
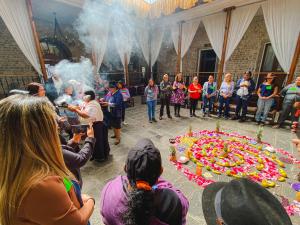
[95, 175]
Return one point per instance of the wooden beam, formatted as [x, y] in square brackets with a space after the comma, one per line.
[36, 40]
[294, 62]
[179, 47]
[126, 72]
[222, 60]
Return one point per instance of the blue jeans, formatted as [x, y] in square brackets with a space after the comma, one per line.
[151, 109]
[263, 108]
[208, 101]
[223, 101]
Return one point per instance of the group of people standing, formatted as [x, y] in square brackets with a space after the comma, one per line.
[38, 188]
[241, 92]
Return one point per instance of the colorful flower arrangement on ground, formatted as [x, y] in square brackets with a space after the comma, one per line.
[232, 155]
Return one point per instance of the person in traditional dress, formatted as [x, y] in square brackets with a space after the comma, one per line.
[115, 104]
[126, 96]
[91, 111]
[178, 95]
[143, 197]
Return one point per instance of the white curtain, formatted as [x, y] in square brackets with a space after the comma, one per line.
[215, 28]
[123, 37]
[282, 18]
[93, 33]
[175, 36]
[157, 35]
[240, 21]
[15, 16]
[189, 30]
[142, 35]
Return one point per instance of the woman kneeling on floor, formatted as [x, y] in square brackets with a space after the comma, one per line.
[142, 197]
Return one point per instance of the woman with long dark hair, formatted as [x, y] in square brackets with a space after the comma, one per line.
[142, 197]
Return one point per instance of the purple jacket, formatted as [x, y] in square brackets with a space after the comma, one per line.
[114, 198]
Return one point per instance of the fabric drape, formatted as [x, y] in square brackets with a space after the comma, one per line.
[189, 30]
[157, 35]
[175, 36]
[14, 13]
[123, 35]
[240, 21]
[142, 35]
[282, 21]
[215, 28]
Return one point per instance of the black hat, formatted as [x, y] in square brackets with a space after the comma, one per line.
[242, 202]
[143, 162]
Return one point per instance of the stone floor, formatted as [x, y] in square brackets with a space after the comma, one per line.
[95, 175]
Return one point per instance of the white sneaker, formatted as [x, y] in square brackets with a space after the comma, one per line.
[125, 123]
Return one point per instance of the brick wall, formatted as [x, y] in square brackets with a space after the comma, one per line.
[247, 55]
[12, 60]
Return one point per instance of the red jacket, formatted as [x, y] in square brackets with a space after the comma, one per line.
[195, 88]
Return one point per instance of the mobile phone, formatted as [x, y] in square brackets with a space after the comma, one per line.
[81, 128]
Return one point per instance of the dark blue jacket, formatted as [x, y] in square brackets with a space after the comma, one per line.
[116, 104]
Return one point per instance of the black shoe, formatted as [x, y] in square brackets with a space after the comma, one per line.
[113, 136]
[100, 160]
[160, 118]
[170, 117]
[235, 117]
[191, 115]
[195, 115]
[150, 121]
[154, 120]
[178, 115]
[92, 158]
[258, 122]
[243, 119]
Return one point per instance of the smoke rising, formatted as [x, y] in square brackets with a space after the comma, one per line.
[81, 72]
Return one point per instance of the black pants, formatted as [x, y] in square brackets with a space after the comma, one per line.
[102, 148]
[193, 105]
[164, 102]
[241, 104]
[123, 114]
[177, 109]
[287, 108]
